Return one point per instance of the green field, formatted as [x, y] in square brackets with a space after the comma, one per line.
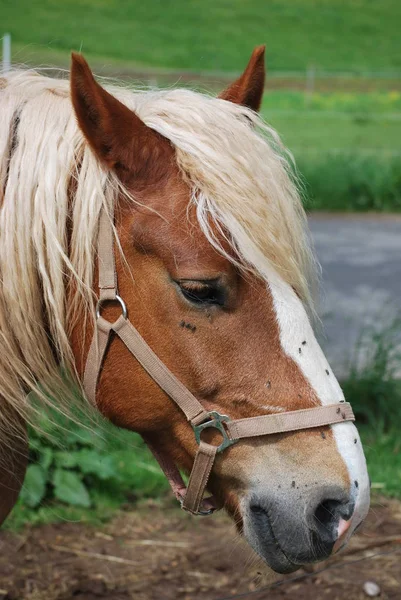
[339, 121]
[356, 35]
[346, 144]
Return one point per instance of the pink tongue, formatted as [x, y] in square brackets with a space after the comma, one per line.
[343, 527]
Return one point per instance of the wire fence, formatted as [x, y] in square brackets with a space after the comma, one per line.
[6, 53]
[308, 80]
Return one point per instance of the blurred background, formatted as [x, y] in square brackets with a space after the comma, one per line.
[333, 92]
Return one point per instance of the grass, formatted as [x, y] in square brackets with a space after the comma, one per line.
[374, 389]
[383, 455]
[356, 35]
[373, 383]
[308, 132]
[347, 181]
[375, 103]
[347, 146]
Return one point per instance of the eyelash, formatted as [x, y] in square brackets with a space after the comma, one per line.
[202, 293]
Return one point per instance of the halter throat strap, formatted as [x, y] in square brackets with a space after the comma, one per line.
[231, 431]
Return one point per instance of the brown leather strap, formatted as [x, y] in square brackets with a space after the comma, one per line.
[304, 418]
[198, 479]
[105, 250]
[168, 382]
[318, 416]
[95, 358]
[179, 489]
[190, 406]
[231, 431]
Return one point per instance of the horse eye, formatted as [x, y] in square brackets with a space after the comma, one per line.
[202, 292]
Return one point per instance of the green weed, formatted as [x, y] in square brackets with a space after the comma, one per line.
[374, 389]
[87, 470]
[347, 181]
[383, 456]
[373, 386]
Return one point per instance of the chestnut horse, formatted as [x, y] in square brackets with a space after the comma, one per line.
[214, 264]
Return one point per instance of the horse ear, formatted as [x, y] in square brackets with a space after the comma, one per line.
[248, 89]
[120, 139]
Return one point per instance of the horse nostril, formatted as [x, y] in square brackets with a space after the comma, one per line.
[327, 516]
[325, 512]
[257, 510]
[260, 516]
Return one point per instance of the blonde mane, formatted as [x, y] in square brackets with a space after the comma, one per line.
[240, 180]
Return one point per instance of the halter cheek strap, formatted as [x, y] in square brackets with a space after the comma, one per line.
[231, 431]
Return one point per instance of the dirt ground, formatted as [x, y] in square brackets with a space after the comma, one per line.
[163, 554]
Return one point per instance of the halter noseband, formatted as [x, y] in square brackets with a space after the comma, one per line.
[191, 496]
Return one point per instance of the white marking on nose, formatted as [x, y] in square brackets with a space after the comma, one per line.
[295, 327]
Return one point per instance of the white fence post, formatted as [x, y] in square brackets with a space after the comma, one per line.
[6, 52]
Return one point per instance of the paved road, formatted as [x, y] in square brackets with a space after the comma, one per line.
[361, 288]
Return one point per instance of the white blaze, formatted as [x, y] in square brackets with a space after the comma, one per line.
[295, 328]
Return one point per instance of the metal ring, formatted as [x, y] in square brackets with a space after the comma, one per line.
[215, 421]
[116, 298]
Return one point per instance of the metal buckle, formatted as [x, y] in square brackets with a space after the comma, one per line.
[116, 298]
[216, 421]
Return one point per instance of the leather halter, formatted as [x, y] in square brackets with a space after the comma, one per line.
[231, 431]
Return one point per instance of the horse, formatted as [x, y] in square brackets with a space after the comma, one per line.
[184, 211]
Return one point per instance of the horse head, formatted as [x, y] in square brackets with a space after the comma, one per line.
[212, 260]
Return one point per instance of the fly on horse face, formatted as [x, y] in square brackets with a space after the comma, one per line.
[153, 245]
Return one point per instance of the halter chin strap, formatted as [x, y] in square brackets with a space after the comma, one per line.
[231, 431]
